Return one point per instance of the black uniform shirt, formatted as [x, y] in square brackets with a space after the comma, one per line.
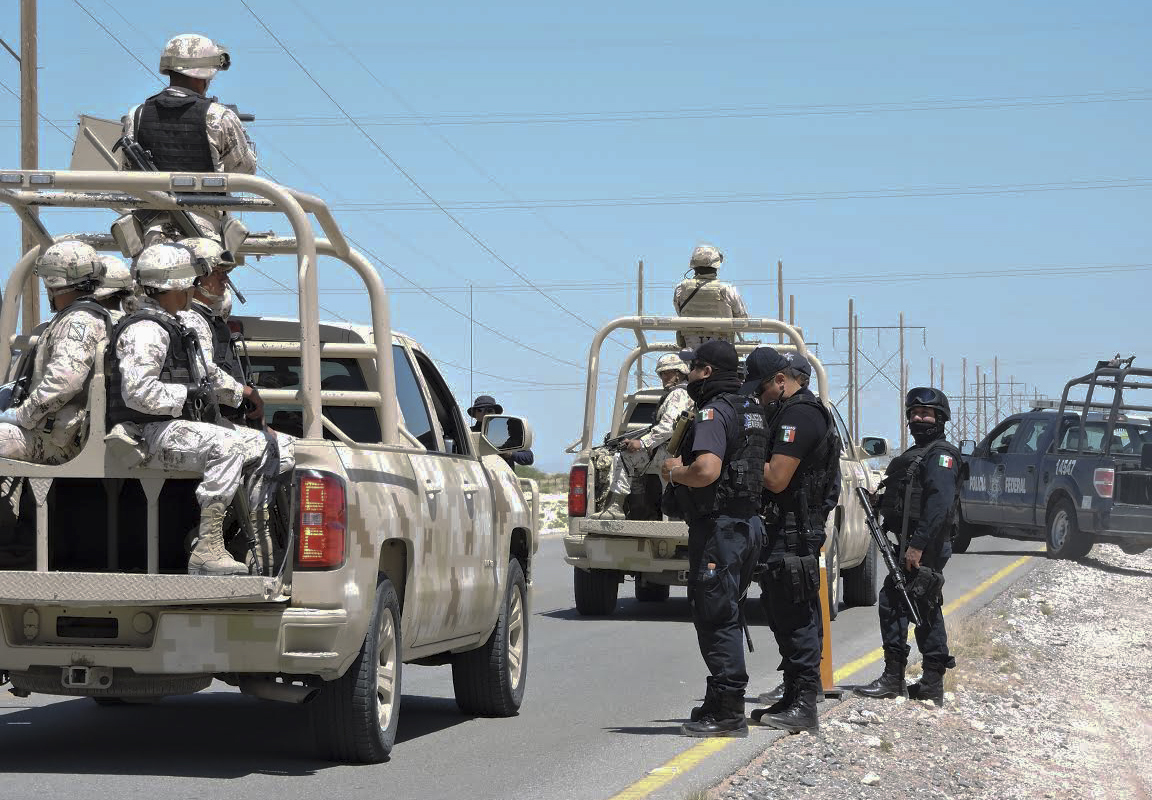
[710, 429]
[939, 477]
[797, 431]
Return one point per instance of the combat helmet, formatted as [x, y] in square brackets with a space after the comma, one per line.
[70, 265]
[706, 257]
[117, 278]
[168, 267]
[211, 251]
[929, 398]
[194, 55]
[671, 362]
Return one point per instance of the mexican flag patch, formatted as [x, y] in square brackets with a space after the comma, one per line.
[706, 414]
[946, 461]
[787, 433]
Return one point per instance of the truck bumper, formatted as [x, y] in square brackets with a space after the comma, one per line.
[657, 549]
[1126, 521]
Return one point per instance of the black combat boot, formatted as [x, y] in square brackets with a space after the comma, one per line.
[727, 721]
[711, 703]
[800, 716]
[779, 699]
[890, 684]
[930, 686]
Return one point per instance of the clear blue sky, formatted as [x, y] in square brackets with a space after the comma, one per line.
[982, 167]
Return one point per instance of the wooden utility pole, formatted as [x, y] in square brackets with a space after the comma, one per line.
[964, 395]
[29, 148]
[780, 294]
[640, 313]
[903, 389]
[932, 371]
[851, 373]
[856, 372]
[996, 389]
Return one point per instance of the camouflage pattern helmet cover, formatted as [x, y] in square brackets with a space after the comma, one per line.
[194, 55]
[69, 264]
[117, 278]
[169, 267]
[211, 251]
[671, 362]
[706, 256]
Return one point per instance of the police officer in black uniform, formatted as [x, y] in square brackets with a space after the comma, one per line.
[801, 486]
[921, 489]
[717, 490]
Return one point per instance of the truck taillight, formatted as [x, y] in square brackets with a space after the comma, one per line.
[1104, 479]
[323, 522]
[578, 492]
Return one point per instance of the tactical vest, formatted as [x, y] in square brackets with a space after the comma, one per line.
[904, 468]
[174, 129]
[737, 491]
[224, 353]
[177, 366]
[704, 297]
[815, 477]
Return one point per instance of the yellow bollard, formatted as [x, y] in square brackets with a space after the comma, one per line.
[827, 682]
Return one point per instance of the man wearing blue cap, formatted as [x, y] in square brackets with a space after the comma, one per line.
[801, 486]
[717, 490]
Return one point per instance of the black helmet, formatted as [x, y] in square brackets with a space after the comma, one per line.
[930, 398]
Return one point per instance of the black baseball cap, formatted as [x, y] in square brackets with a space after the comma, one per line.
[764, 362]
[719, 354]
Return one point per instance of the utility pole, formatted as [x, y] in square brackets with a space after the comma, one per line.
[903, 389]
[856, 372]
[471, 327]
[851, 373]
[29, 148]
[780, 295]
[964, 396]
[996, 387]
[640, 313]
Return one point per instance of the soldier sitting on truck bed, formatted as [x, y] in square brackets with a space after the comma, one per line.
[152, 383]
[635, 456]
[704, 296]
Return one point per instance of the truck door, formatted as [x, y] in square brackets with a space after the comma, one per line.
[985, 487]
[1021, 464]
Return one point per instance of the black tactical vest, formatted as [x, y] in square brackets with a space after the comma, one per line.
[737, 491]
[224, 353]
[174, 129]
[815, 476]
[176, 369]
[904, 468]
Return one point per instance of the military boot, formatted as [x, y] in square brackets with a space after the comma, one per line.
[209, 556]
[613, 507]
[711, 703]
[890, 684]
[726, 721]
[262, 559]
[800, 716]
[930, 686]
[779, 699]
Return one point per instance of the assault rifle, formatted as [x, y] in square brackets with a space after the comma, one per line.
[141, 161]
[616, 443]
[201, 411]
[888, 553]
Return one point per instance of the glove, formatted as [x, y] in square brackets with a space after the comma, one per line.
[9, 416]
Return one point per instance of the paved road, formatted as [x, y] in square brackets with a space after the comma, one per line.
[605, 701]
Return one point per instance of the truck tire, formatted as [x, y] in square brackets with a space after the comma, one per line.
[832, 571]
[860, 581]
[489, 681]
[1063, 538]
[354, 717]
[595, 590]
[651, 592]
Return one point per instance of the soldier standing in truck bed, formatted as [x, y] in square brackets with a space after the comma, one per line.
[703, 295]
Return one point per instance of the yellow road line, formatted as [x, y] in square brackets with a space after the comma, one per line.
[688, 759]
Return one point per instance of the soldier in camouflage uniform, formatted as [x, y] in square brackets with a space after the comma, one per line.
[638, 455]
[704, 296]
[185, 131]
[116, 287]
[48, 425]
[149, 384]
[208, 319]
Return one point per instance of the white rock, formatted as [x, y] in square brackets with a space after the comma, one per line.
[871, 779]
[872, 741]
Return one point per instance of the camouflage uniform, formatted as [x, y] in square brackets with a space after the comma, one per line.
[626, 464]
[52, 419]
[704, 296]
[220, 454]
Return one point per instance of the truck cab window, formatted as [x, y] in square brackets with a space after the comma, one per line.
[1002, 440]
[360, 424]
[456, 440]
[411, 400]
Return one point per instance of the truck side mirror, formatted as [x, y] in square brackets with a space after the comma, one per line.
[874, 446]
[506, 434]
[1146, 456]
[967, 447]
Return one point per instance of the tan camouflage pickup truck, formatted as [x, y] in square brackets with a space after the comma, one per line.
[407, 538]
[653, 550]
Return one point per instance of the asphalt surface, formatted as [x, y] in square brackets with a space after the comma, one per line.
[605, 700]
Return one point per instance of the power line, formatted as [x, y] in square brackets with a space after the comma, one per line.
[409, 177]
[16, 94]
[116, 39]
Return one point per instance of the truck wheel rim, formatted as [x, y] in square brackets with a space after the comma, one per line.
[515, 636]
[386, 673]
[1059, 529]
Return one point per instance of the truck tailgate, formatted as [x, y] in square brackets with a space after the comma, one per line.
[102, 589]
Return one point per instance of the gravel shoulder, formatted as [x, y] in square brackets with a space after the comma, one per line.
[1049, 700]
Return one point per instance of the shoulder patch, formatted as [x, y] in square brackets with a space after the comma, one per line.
[947, 461]
[787, 433]
[705, 414]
